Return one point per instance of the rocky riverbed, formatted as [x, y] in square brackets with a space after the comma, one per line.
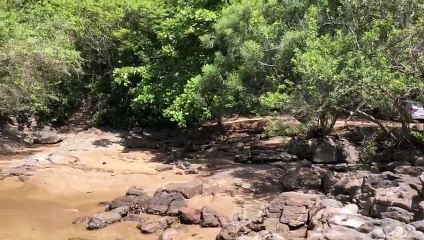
[157, 185]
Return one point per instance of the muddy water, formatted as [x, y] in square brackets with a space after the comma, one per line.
[45, 206]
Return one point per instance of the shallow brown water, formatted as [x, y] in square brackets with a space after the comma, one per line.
[44, 207]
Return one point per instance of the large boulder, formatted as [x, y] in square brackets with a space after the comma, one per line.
[304, 178]
[188, 189]
[166, 203]
[326, 152]
[189, 215]
[389, 196]
[347, 152]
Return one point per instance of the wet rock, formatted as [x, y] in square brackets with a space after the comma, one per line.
[188, 190]
[189, 215]
[168, 234]
[164, 167]
[211, 218]
[166, 203]
[326, 152]
[101, 220]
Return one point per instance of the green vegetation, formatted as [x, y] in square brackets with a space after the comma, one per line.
[181, 62]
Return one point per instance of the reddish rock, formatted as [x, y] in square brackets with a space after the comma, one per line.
[189, 215]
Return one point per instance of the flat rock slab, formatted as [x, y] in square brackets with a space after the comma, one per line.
[101, 220]
[166, 203]
[188, 190]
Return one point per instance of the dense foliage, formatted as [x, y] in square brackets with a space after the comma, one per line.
[172, 61]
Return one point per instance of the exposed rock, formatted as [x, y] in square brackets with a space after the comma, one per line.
[382, 192]
[290, 199]
[103, 219]
[211, 218]
[390, 229]
[230, 231]
[188, 190]
[23, 178]
[396, 213]
[134, 202]
[304, 178]
[294, 216]
[136, 191]
[166, 203]
[81, 220]
[165, 222]
[189, 215]
[409, 170]
[135, 141]
[326, 152]
[419, 225]
[46, 137]
[347, 152]
[123, 211]
[134, 218]
[191, 171]
[348, 184]
[149, 227]
[164, 167]
[168, 234]
[297, 146]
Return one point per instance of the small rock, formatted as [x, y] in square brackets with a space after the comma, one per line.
[23, 178]
[81, 220]
[149, 227]
[168, 234]
[164, 167]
